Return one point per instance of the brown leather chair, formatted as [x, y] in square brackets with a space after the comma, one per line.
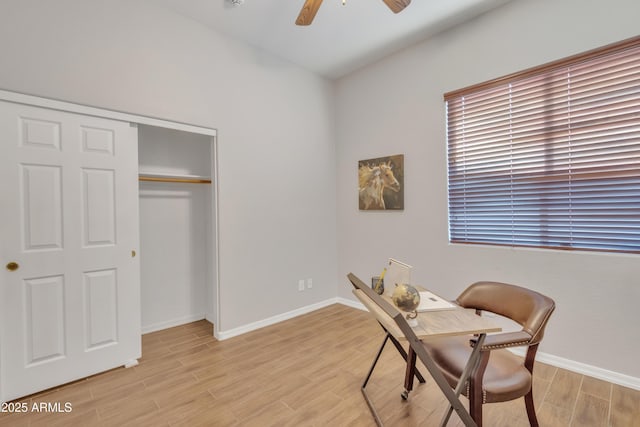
[500, 375]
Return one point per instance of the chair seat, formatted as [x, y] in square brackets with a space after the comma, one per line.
[505, 378]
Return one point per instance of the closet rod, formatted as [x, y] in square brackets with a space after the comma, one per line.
[181, 180]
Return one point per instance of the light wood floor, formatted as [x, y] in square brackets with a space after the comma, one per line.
[303, 372]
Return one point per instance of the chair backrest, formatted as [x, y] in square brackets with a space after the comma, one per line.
[528, 308]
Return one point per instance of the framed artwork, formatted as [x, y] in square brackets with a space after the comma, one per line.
[381, 183]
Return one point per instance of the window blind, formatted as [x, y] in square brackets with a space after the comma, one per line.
[549, 157]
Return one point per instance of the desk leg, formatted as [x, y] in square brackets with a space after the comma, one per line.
[375, 361]
[411, 371]
[404, 355]
[366, 381]
[472, 363]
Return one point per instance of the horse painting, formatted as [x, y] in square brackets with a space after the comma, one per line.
[374, 177]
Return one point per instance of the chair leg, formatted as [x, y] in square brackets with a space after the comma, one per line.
[475, 407]
[475, 389]
[409, 373]
[528, 398]
[531, 410]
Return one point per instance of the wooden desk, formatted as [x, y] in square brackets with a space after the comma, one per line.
[432, 324]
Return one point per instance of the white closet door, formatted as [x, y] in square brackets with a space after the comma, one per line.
[69, 203]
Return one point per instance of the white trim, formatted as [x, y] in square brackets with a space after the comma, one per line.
[584, 369]
[351, 303]
[53, 104]
[171, 323]
[215, 229]
[223, 335]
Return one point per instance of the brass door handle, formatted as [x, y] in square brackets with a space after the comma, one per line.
[13, 266]
[133, 254]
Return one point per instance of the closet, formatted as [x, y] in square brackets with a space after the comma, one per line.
[176, 217]
[109, 231]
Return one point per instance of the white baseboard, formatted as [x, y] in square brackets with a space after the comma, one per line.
[223, 335]
[171, 323]
[351, 303]
[584, 369]
[550, 359]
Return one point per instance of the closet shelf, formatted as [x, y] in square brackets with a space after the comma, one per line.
[187, 179]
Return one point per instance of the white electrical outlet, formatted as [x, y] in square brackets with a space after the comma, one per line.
[309, 283]
[301, 285]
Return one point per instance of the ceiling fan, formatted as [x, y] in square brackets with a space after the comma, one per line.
[310, 8]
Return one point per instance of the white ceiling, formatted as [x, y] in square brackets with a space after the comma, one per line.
[341, 38]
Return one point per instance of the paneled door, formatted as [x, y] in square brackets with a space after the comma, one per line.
[69, 284]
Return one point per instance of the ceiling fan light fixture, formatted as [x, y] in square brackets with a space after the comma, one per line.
[310, 8]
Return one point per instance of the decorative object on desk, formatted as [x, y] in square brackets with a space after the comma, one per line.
[381, 183]
[377, 283]
[407, 299]
[397, 272]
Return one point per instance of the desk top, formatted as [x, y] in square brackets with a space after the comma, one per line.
[432, 324]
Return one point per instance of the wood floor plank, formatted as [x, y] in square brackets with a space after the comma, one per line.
[552, 415]
[87, 418]
[545, 372]
[349, 412]
[274, 414]
[305, 371]
[540, 390]
[107, 382]
[313, 409]
[596, 387]
[120, 414]
[625, 407]
[179, 406]
[590, 411]
[564, 389]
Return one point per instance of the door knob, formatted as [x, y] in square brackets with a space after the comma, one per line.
[13, 266]
[133, 254]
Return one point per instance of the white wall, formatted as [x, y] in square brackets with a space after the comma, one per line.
[396, 106]
[173, 263]
[276, 152]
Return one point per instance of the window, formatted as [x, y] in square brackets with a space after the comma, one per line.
[549, 157]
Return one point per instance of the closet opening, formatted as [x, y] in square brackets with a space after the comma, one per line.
[178, 268]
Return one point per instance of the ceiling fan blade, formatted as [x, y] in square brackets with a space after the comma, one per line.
[397, 5]
[308, 12]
